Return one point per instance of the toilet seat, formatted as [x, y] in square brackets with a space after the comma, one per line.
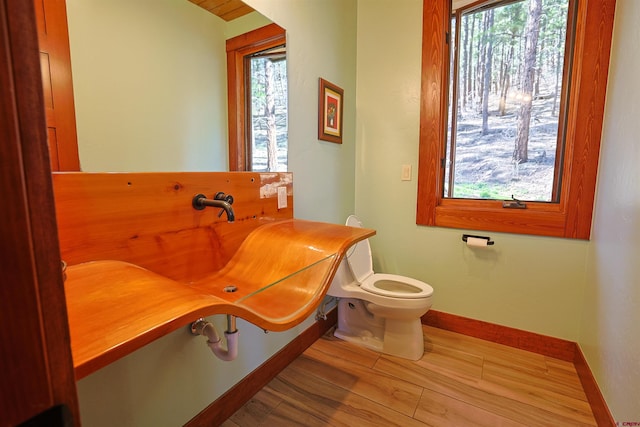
[392, 285]
[360, 263]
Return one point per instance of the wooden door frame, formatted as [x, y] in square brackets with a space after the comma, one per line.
[34, 331]
[60, 112]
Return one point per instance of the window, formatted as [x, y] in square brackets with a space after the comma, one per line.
[505, 109]
[495, 127]
[257, 87]
[267, 111]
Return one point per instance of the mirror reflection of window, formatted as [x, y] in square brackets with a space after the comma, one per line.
[257, 100]
[267, 112]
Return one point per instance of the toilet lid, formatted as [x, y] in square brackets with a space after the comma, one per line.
[359, 256]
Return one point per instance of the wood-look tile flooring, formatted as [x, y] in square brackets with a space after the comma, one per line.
[460, 381]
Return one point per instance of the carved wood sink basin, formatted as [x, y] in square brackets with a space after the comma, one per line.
[142, 262]
[278, 275]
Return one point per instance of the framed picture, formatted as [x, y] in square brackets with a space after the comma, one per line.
[330, 112]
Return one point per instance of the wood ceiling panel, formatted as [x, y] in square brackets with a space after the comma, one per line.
[225, 9]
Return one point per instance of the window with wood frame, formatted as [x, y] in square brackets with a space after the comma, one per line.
[257, 91]
[511, 144]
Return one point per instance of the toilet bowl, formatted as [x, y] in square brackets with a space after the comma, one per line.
[379, 311]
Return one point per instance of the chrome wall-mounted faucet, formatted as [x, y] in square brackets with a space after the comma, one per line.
[220, 200]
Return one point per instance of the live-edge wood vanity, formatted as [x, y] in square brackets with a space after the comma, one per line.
[142, 262]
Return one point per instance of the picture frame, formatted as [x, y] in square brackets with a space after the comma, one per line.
[330, 100]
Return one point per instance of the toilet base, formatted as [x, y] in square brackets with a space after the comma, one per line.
[396, 337]
[364, 340]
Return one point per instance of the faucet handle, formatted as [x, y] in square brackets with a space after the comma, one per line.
[226, 197]
[220, 200]
[223, 197]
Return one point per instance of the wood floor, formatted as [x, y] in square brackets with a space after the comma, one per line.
[460, 381]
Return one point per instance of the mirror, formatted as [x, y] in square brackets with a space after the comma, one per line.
[150, 84]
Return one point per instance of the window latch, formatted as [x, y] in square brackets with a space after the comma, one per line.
[514, 204]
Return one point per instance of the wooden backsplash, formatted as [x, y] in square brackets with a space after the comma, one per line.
[147, 218]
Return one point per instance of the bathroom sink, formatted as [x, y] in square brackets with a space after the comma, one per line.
[275, 280]
[282, 270]
[143, 262]
[115, 307]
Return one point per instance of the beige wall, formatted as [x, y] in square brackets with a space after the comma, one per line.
[143, 101]
[321, 42]
[610, 327]
[244, 24]
[525, 282]
[577, 290]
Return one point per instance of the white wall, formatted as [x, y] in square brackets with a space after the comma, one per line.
[610, 327]
[145, 102]
[171, 380]
[531, 283]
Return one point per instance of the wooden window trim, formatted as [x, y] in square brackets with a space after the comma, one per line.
[263, 38]
[571, 217]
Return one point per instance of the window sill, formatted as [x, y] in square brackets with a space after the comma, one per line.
[520, 221]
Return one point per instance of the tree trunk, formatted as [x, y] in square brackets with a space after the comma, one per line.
[469, 43]
[520, 153]
[538, 68]
[506, 82]
[480, 64]
[558, 70]
[270, 114]
[464, 65]
[486, 84]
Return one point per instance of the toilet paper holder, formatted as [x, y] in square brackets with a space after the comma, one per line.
[487, 238]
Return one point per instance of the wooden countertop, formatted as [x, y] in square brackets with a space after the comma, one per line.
[281, 272]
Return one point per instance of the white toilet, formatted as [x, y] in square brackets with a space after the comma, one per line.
[379, 311]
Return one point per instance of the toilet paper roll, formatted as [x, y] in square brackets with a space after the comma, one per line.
[477, 242]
